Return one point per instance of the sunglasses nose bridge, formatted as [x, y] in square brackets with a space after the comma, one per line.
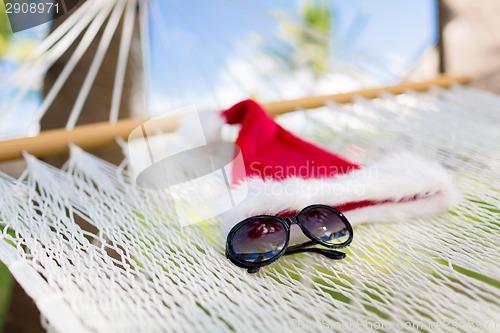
[292, 220]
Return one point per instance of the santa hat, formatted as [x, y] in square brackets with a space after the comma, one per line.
[283, 174]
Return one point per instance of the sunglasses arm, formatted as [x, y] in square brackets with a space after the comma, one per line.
[306, 247]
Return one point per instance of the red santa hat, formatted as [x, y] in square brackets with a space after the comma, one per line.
[283, 174]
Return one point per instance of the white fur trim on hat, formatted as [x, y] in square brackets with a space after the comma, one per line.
[415, 187]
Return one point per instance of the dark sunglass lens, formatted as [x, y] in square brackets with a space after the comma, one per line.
[326, 225]
[259, 240]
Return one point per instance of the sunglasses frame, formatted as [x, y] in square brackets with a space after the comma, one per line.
[287, 222]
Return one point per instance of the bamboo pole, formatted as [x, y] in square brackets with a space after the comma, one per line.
[94, 135]
[277, 108]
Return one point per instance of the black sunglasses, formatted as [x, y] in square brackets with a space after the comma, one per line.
[260, 240]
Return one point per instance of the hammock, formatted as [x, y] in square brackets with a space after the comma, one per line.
[131, 267]
[97, 253]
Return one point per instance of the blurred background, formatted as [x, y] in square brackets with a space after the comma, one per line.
[216, 53]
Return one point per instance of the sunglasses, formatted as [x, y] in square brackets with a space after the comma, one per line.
[260, 240]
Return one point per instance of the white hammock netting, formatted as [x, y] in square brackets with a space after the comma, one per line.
[129, 266]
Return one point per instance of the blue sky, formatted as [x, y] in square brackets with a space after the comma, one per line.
[199, 38]
[394, 26]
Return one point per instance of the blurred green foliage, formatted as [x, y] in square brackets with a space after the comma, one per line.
[5, 30]
[309, 38]
[5, 291]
